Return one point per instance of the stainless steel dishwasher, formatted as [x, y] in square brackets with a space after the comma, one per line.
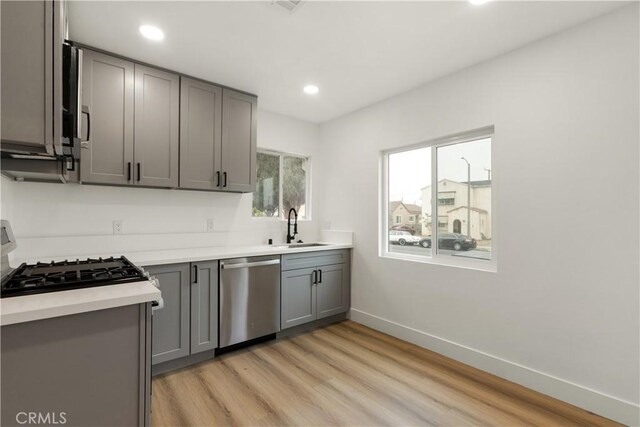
[249, 299]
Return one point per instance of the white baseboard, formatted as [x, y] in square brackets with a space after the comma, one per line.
[591, 400]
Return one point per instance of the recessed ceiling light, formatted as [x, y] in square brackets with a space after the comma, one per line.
[311, 89]
[151, 32]
[478, 1]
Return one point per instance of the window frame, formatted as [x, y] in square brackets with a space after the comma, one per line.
[308, 208]
[436, 258]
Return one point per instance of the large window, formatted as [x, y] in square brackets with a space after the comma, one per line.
[283, 183]
[450, 180]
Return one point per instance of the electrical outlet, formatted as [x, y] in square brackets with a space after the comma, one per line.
[209, 225]
[117, 226]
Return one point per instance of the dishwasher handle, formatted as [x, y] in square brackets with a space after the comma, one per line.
[249, 264]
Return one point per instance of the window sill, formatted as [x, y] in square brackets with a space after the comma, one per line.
[446, 261]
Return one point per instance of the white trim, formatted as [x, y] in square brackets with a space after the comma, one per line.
[383, 204]
[584, 397]
[471, 135]
[445, 261]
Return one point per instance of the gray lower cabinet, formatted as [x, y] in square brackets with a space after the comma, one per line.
[188, 322]
[204, 306]
[200, 135]
[317, 291]
[332, 290]
[298, 297]
[239, 125]
[87, 369]
[107, 97]
[130, 123]
[31, 83]
[171, 324]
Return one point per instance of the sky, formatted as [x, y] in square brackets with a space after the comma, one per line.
[410, 171]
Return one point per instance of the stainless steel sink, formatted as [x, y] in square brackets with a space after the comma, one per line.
[302, 245]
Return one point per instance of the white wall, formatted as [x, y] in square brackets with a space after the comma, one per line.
[41, 213]
[561, 314]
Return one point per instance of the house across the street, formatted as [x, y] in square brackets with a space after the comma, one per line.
[454, 210]
[406, 216]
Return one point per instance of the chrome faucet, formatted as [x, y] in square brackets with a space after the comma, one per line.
[291, 237]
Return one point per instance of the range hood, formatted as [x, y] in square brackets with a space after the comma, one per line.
[22, 167]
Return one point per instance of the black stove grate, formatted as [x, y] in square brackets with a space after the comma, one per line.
[65, 275]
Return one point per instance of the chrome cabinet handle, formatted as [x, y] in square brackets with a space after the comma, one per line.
[320, 280]
[79, 95]
[87, 110]
[249, 264]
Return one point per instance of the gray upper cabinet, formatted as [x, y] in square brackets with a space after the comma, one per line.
[131, 123]
[31, 76]
[200, 134]
[332, 290]
[204, 306]
[170, 336]
[239, 124]
[107, 97]
[298, 297]
[156, 127]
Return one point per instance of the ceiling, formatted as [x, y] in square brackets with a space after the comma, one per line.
[358, 53]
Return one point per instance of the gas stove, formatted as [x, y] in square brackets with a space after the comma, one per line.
[29, 279]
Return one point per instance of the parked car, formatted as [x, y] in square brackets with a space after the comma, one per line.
[402, 238]
[455, 241]
[406, 228]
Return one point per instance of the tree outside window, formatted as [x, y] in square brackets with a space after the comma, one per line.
[282, 184]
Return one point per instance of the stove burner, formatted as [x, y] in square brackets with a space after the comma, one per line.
[66, 275]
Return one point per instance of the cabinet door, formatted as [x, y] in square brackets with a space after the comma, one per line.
[91, 365]
[107, 96]
[238, 141]
[27, 75]
[332, 290]
[156, 127]
[298, 297]
[170, 336]
[200, 134]
[204, 306]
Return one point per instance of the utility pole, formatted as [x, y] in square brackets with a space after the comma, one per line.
[468, 196]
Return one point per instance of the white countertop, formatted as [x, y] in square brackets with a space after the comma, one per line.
[174, 256]
[42, 306]
[54, 304]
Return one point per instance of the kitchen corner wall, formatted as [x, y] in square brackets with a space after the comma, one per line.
[60, 220]
[561, 315]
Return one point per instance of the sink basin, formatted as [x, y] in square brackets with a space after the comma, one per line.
[302, 245]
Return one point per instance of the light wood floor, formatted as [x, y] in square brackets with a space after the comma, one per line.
[349, 375]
